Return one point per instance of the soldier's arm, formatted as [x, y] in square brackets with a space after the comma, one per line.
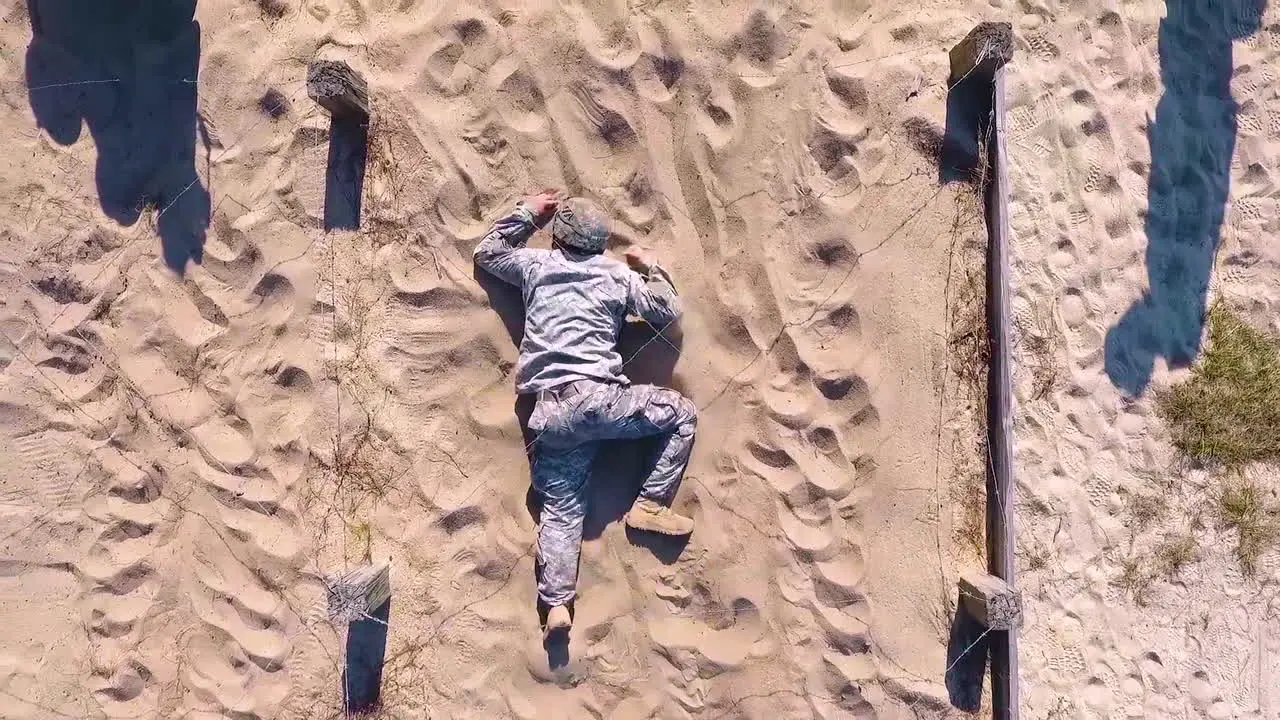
[502, 252]
[653, 296]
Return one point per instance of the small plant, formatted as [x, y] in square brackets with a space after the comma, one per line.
[1243, 507]
[1036, 558]
[1040, 341]
[1175, 553]
[273, 9]
[362, 536]
[1144, 509]
[1134, 578]
[1063, 710]
[1229, 411]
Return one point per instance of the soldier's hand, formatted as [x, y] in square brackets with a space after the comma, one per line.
[639, 259]
[543, 204]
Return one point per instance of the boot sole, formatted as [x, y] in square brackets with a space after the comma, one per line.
[660, 531]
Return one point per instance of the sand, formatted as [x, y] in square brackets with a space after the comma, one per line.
[1099, 97]
[209, 403]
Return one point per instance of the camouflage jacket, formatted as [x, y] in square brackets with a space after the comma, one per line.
[575, 305]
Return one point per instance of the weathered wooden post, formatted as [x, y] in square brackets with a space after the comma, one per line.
[977, 78]
[341, 91]
[991, 601]
[361, 599]
[983, 51]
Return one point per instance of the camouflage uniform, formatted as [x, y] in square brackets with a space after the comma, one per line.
[575, 305]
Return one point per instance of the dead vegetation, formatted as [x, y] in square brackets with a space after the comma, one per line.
[969, 354]
[1143, 511]
[1176, 552]
[1135, 578]
[1040, 341]
[1246, 508]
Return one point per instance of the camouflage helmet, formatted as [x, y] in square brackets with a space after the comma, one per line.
[581, 225]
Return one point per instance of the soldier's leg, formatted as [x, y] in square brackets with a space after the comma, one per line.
[675, 418]
[641, 411]
[560, 477]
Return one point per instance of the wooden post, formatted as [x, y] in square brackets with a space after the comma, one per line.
[362, 599]
[983, 51]
[359, 592]
[339, 89]
[345, 94]
[991, 601]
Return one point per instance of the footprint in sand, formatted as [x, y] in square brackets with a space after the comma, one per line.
[758, 47]
[661, 64]
[520, 101]
[49, 462]
[605, 31]
[123, 580]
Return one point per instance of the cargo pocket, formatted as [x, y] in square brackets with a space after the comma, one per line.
[538, 418]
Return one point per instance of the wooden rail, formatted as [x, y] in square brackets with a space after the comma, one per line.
[1000, 485]
[977, 93]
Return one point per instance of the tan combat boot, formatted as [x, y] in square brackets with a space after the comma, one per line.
[649, 515]
[558, 619]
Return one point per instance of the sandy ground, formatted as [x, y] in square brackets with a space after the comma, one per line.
[1105, 96]
[200, 424]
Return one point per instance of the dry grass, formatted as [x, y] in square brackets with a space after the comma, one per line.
[1040, 342]
[1143, 511]
[968, 353]
[1034, 558]
[1135, 578]
[1063, 710]
[1175, 553]
[1228, 413]
[1244, 507]
[273, 9]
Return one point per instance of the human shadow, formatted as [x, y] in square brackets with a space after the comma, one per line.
[1192, 140]
[127, 70]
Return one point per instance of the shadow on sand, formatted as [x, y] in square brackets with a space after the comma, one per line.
[1192, 140]
[963, 144]
[366, 652]
[127, 70]
[968, 648]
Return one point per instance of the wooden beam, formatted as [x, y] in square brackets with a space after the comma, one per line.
[339, 89]
[978, 73]
[1001, 503]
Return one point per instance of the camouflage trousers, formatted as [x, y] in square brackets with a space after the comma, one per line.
[571, 421]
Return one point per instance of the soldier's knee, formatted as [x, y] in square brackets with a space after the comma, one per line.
[673, 410]
[689, 410]
[688, 414]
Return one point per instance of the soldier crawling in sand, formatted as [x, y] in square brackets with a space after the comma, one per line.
[576, 299]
